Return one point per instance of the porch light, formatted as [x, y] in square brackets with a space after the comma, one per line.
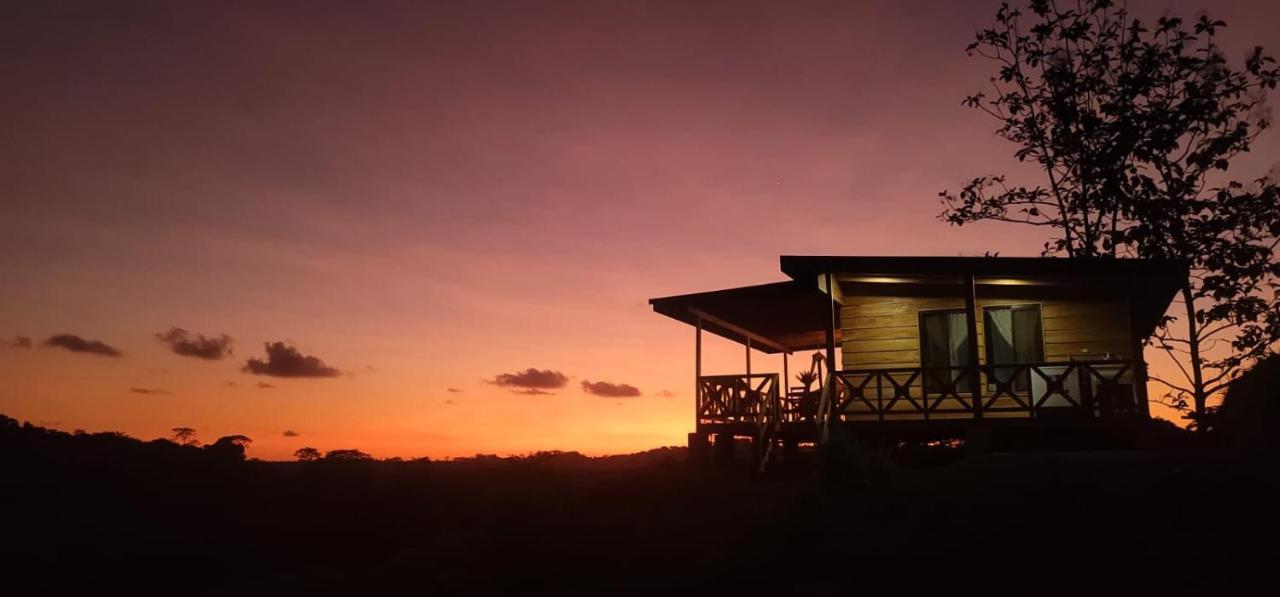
[1009, 282]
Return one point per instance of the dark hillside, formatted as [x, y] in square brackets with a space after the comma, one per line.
[105, 511]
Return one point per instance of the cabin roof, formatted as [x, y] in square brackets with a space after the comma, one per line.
[792, 314]
[789, 313]
[805, 266]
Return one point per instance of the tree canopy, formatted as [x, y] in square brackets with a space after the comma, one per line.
[1134, 128]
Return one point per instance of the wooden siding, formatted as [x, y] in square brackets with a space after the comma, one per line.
[884, 331]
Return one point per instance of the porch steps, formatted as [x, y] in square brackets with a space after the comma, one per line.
[771, 429]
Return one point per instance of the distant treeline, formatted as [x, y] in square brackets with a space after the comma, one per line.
[121, 512]
[26, 445]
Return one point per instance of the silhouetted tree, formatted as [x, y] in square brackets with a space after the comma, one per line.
[1133, 129]
[185, 436]
[231, 446]
[307, 454]
[347, 455]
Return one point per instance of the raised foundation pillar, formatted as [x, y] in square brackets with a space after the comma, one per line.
[724, 448]
[699, 448]
[790, 450]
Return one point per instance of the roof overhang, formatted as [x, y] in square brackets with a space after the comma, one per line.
[777, 317]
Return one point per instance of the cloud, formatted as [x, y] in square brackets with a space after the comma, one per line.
[151, 391]
[666, 394]
[610, 390]
[264, 385]
[231, 384]
[187, 344]
[75, 343]
[454, 390]
[290, 433]
[21, 342]
[449, 402]
[532, 382]
[285, 361]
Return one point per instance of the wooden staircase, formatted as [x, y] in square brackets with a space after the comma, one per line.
[771, 426]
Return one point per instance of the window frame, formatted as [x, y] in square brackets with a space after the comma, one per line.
[986, 327]
[927, 384]
[987, 346]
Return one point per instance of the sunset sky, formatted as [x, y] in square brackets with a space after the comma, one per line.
[428, 197]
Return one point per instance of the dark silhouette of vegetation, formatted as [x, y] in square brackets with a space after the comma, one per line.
[1249, 417]
[231, 446]
[307, 454]
[185, 436]
[346, 455]
[93, 512]
[1134, 127]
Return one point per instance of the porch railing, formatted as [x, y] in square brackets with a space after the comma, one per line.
[749, 399]
[1082, 388]
[1091, 389]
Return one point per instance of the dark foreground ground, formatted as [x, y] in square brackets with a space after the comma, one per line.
[165, 519]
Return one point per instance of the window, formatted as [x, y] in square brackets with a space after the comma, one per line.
[1013, 337]
[944, 343]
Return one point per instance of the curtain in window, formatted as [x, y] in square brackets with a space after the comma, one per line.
[944, 343]
[1013, 337]
[1000, 335]
[1000, 344]
[935, 343]
[958, 338]
[1028, 343]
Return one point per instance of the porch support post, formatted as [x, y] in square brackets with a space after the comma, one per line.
[971, 324]
[697, 375]
[748, 345]
[786, 383]
[832, 314]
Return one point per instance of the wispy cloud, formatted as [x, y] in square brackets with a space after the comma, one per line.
[610, 390]
[531, 382]
[285, 361]
[149, 391]
[20, 342]
[290, 433]
[75, 343]
[187, 344]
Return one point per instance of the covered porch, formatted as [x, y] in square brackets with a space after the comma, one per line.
[778, 319]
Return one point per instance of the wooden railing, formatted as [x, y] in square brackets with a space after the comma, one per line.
[1092, 389]
[738, 398]
[1083, 388]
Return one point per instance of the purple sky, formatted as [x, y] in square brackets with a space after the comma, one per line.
[428, 195]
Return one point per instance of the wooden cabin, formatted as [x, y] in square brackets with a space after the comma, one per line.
[961, 345]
